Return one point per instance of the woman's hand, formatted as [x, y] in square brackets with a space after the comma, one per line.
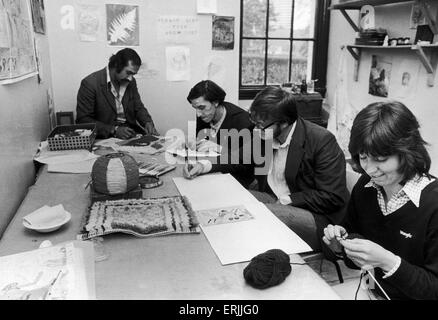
[367, 254]
[332, 235]
[191, 171]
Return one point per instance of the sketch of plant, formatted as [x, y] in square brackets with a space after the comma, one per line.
[123, 25]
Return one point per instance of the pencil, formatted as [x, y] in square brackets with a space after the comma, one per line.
[189, 166]
[51, 285]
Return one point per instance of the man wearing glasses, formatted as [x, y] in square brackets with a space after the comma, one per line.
[305, 183]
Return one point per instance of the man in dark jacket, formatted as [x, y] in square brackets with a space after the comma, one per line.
[110, 98]
[304, 184]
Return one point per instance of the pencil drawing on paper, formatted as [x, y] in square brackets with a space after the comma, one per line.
[223, 215]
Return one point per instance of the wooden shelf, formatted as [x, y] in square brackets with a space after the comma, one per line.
[356, 5]
[429, 63]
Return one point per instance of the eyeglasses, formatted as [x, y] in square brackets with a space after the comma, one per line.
[261, 127]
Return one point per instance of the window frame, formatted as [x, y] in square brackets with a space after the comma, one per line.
[320, 49]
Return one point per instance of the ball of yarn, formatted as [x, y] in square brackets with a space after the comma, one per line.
[115, 173]
[267, 269]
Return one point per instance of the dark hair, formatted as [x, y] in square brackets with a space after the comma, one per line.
[207, 89]
[122, 58]
[275, 104]
[387, 129]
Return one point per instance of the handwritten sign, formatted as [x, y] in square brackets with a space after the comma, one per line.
[178, 29]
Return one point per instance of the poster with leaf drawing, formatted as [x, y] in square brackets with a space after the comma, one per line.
[122, 25]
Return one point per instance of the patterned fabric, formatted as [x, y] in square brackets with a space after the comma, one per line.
[411, 191]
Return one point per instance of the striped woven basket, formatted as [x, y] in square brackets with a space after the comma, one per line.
[115, 173]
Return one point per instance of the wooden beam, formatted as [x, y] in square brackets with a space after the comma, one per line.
[423, 58]
[429, 64]
[350, 21]
[356, 55]
[357, 4]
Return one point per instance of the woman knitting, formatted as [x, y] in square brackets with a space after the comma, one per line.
[393, 210]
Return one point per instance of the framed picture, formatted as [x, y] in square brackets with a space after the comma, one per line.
[380, 75]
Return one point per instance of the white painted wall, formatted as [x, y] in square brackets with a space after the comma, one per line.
[24, 122]
[394, 18]
[72, 59]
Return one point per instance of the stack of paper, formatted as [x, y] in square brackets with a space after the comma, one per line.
[66, 161]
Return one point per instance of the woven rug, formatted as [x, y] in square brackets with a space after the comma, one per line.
[139, 217]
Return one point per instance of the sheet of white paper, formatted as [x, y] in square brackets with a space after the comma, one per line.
[192, 153]
[72, 167]
[62, 157]
[206, 6]
[213, 191]
[240, 241]
[178, 63]
[30, 275]
[66, 156]
[110, 142]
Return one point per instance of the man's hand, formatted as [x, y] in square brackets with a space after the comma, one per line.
[124, 133]
[150, 129]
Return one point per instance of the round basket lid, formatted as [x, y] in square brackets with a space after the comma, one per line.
[149, 182]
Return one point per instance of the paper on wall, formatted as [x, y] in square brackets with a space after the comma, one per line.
[215, 70]
[178, 63]
[122, 25]
[206, 6]
[177, 29]
[405, 80]
[90, 20]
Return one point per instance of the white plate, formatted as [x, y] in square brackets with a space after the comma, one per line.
[47, 223]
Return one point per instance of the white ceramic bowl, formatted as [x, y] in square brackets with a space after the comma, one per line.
[48, 225]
